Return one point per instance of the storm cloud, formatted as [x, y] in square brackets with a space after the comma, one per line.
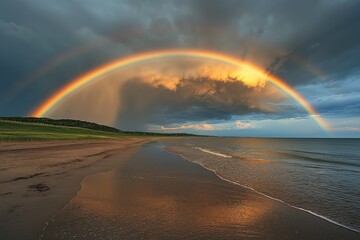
[192, 99]
[309, 44]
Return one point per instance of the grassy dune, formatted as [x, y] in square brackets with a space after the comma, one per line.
[20, 131]
[37, 129]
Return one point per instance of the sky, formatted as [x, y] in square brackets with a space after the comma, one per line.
[312, 45]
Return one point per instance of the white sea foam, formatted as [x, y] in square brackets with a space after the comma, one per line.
[263, 194]
[213, 152]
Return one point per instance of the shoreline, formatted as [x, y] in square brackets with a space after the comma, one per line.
[155, 188]
[267, 196]
[38, 179]
[291, 179]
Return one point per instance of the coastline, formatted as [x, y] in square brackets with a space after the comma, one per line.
[39, 178]
[292, 181]
[267, 196]
[159, 194]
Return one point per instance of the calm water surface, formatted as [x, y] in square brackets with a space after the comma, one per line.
[318, 175]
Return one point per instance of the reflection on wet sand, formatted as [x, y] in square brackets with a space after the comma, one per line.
[156, 195]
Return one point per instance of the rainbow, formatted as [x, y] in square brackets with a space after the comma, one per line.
[80, 81]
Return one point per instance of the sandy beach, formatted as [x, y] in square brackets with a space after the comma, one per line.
[134, 189]
[159, 195]
[37, 179]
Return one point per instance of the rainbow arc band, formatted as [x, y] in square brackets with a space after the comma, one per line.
[80, 81]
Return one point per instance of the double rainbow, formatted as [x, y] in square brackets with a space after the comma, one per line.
[80, 81]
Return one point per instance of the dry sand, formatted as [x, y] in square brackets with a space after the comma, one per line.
[37, 179]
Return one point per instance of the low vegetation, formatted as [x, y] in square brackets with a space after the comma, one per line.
[37, 129]
[63, 122]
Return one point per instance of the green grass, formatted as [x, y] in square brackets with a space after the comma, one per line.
[46, 129]
[63, 122]
[20, 131]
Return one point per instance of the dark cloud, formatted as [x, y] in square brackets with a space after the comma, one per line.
[304, 42]
[192, 99]
[343, 105]
[330, 51]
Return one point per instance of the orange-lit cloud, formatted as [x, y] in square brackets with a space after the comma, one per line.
[171, 92]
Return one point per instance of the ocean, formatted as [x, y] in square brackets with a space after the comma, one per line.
[320, 176]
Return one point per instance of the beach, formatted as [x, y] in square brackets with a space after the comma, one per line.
[136, 189]
[320, 176]
[159, 195]
[37, 179]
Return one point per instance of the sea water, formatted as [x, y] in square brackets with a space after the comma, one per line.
[321, 176]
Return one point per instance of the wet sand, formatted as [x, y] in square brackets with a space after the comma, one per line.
[158, 195]
[37, 179]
